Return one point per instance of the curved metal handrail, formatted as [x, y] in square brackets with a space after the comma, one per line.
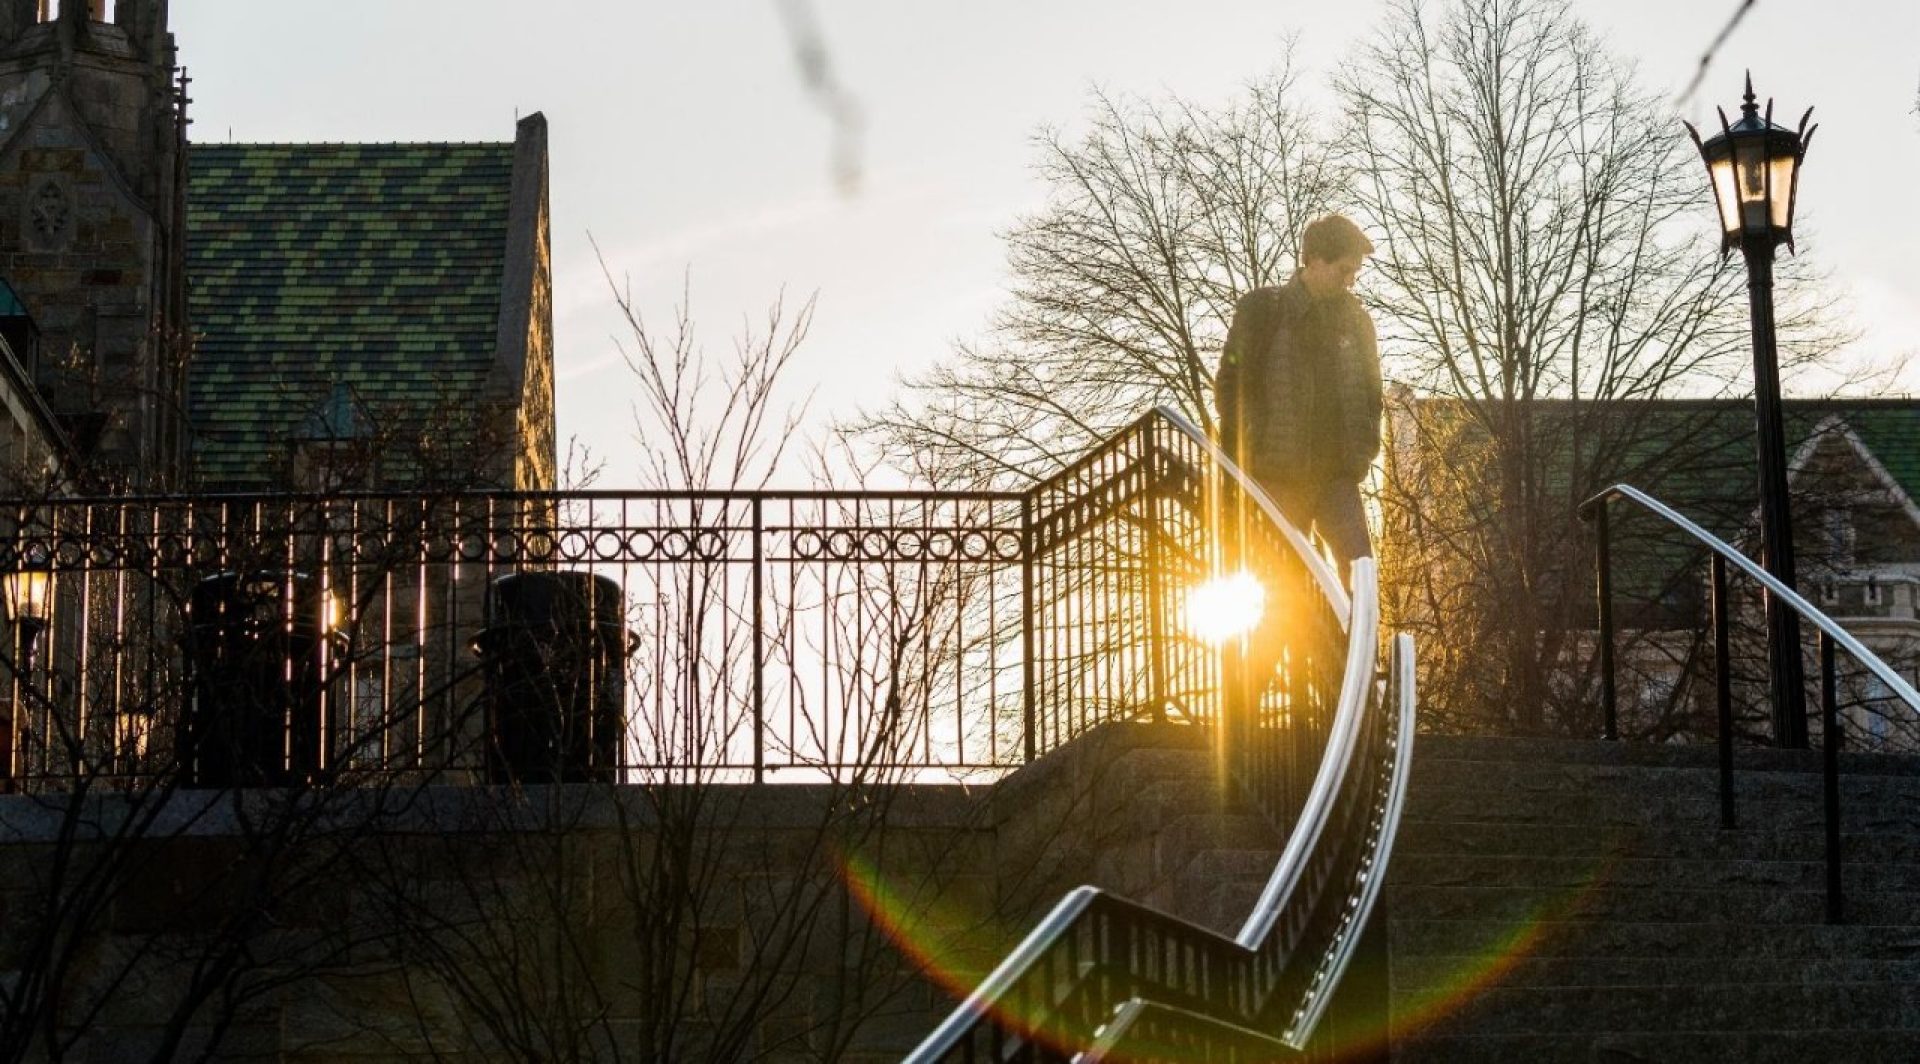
[1323, 574]
[1400, 678]
[1170, 1032]
[1359, 616]
[1787, 595]
[1355, 686]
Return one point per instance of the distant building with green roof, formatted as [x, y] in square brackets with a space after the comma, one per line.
[258, 316]
[371, 314]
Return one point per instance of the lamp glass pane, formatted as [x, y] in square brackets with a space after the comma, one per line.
[26, 594]
[1783, 176]
[1724, 196]
[1750, 180]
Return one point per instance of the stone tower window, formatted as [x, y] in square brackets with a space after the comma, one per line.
[50, 9]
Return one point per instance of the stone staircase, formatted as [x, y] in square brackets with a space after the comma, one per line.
[1577, 901]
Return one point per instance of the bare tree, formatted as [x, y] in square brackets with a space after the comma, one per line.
[681, 908]
[1159, 217]
[1546, 268]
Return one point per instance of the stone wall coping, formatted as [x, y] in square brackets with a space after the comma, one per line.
[443, 809]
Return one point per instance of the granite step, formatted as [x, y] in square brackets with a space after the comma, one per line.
[1651, 905]
[1530, 778]
[1628, 938]
[1693, 968]
[1589, 809]
[1704, 1047]
[1753, 1008]
[1495, 838]
[1430, 749]
[1614, 872]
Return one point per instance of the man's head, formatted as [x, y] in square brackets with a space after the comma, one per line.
[1331, 249]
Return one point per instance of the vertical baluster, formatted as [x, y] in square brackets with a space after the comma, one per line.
[1830, 764]
[759, 643]
[1723, 685]
[1603, 590]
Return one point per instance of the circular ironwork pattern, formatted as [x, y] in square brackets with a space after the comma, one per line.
[612, 545]
[905, 544]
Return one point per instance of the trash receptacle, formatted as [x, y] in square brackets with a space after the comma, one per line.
[256, 644]
[554, 657]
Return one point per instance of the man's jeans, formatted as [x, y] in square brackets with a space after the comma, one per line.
[1334, 512]
[1330, 508]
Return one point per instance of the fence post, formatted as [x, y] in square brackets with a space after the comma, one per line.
[1830, 723]
[1603, 589]
[1723, 687]
[759, 646]
[1156, 584]
[1027, 641]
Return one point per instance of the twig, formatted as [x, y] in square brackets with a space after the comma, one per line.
[1706, 58]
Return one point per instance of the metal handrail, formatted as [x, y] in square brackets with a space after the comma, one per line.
[1323, 573]
[1359, 617]
[1788, 596]
[1149, 1030]
[1831, 633]
[1355, 686]
[1401, 697]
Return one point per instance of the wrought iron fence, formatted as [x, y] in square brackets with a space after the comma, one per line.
[260, 640]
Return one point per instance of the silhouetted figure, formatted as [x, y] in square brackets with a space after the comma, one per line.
[1299, 389]
[1299, 398]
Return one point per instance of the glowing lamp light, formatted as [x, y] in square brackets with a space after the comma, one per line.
[1225, 607]
[1755, 169]
[26, 591]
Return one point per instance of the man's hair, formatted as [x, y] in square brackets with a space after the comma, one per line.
[1333, 237]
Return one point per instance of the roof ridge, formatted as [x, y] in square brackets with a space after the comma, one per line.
[351, 144]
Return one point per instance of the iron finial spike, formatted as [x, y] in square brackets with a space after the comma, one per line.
[1804, 131]
[1749, 102]
[1807, 138]
[1769, 110]
[1724, 127]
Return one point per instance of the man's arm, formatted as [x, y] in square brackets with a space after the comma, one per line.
[1247, 334]
[1366, 427]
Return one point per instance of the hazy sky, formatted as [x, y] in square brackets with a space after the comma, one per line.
[683, 142]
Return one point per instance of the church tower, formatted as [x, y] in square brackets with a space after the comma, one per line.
[92, 213]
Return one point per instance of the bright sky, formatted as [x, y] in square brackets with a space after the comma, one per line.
[683, 143]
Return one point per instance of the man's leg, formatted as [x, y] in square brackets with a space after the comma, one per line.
[1280, 578]
[1341, 520]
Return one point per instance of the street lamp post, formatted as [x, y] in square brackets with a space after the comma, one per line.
[1754, 166]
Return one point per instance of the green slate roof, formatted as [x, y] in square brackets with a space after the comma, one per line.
[373, 266]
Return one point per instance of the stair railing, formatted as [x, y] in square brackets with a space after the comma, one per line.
[1831, 635]
[1322, 751]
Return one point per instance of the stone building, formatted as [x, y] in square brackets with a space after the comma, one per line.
[253, 316]
[92, 156]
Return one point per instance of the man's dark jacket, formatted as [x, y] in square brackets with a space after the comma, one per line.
[1299, 386]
